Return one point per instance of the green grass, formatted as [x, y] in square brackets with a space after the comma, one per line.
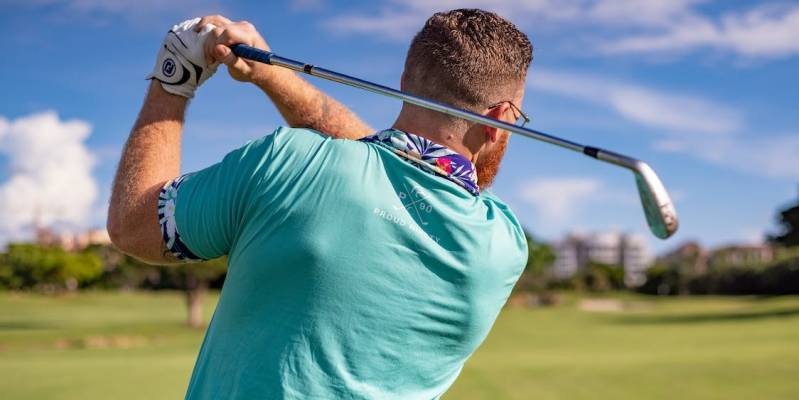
[135, 346]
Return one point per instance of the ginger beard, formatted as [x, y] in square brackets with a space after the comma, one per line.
[488, 162]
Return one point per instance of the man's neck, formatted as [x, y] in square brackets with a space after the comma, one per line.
[434, 131]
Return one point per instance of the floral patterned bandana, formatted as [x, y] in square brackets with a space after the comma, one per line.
[430, 156]
[166, 218]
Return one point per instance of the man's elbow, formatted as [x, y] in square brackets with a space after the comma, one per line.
[124, 238]
[134, 228]
[121, 230]
[116, 232]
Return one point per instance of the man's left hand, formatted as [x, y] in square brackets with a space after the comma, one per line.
[182, 66]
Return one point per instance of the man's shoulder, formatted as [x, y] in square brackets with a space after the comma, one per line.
[289, 152]
[502, 214]
[288, 136]
[493, 201]
[302, 133]
[304, 140]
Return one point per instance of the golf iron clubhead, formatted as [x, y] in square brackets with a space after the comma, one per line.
[661, 216]
[658, 208]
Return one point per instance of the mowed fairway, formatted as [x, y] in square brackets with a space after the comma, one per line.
[134, 346]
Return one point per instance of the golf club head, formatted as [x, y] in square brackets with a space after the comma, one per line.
[658, 208]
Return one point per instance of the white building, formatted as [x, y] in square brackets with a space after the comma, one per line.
[636, 257]
[605, 248]
[569, 256]
[72, 241]
[629, 251]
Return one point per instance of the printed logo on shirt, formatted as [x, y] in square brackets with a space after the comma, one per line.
[414, 202]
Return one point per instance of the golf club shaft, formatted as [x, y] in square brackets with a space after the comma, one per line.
[658, 208]
[270, 58]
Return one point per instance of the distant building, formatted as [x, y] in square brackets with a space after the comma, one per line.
[742, 256]
[689, 254]
[45, 236]
[636, 258]
[570, 256]
[693, 259]
[72, 241]
[629, 251]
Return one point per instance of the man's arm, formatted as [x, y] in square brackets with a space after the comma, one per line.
[152, 154]
[151, 157]
[303, 105]
[300, 103]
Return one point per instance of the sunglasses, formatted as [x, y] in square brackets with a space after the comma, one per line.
[522, 118]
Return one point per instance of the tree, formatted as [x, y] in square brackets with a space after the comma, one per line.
[662, 279]
[126, 272]
[194, 280]
[31, 266]
[121, 271]
[782, 277]
[789, 220]
[540, 257]
[601, 277]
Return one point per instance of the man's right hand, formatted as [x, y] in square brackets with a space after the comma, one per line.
[227, 33]
[300, 103]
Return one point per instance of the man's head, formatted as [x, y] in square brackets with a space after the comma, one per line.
[470, 59]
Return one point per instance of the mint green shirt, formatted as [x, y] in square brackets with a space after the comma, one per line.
[353, 274]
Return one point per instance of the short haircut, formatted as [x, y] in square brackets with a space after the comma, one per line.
[468, 58]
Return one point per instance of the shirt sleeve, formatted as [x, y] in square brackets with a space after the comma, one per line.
[200, 213]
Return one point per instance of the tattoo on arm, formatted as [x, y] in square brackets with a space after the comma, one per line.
[303, 105]
[325, 108]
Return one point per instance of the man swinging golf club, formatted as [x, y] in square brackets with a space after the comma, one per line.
[361, 265]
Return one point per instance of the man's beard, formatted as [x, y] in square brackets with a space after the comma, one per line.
[488, 162]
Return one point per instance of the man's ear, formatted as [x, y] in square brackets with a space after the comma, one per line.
[492, 134]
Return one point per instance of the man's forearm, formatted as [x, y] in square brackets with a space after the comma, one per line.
[303, 105]
[150, 158]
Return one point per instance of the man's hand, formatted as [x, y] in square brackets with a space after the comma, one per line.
[181, 66]
[227, 33]
[300, 103]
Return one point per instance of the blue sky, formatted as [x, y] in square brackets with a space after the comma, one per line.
[705, 91]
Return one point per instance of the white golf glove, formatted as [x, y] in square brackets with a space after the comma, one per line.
[181, 66]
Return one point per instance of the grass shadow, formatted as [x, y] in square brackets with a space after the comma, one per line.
[25, 325]
[708, 317]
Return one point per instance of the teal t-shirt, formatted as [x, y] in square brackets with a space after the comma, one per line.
[353, 273]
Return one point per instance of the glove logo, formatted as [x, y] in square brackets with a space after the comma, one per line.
[168, 68]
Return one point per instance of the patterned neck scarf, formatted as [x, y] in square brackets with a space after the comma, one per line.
[429, 156]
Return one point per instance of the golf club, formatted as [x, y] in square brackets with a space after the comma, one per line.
[658, 207]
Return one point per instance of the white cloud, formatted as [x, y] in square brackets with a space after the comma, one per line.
[751, 236]
[556, 199]
[135, 6]
[141, 13]
[684, 124]
[765, 31]
[3, 127]
[673, 112]
[49, 174]
[393, 27]
[400, 20]
[613, 26]
[307, 5]
[640, 13]
[773, 156]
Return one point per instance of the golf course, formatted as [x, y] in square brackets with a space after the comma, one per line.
[110, 345]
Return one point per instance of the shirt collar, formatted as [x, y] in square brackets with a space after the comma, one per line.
[429, 156]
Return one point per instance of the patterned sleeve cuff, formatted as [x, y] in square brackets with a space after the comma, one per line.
[169, 229]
